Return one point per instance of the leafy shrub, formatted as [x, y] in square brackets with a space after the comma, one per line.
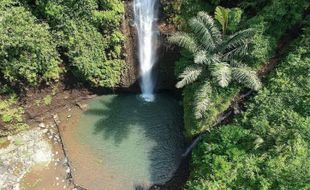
[271, 22]
[47, 100]
[86, 56]
[11, 115]
[27, 51]
[178, 11]
[88, 36]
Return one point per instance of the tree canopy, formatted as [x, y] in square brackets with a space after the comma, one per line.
[217, 58]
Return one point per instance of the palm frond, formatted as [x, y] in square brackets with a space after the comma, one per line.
[204, 27]
[247, 77]
[222, 73]
[184, 40]
[235, 63]
[189, 75]
[237, 44]
[203, 57]
[202, 100]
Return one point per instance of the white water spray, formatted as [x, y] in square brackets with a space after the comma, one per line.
[145, 21]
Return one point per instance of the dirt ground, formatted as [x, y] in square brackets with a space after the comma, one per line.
[60, 102]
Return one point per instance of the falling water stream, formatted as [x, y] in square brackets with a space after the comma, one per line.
[145, 21]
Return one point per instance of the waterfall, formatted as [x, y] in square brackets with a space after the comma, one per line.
[145, 21]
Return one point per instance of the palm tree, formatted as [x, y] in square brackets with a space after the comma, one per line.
[217, 58]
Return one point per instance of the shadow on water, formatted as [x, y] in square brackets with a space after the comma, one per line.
[148, 130]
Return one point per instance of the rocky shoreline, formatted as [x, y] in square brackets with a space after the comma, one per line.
[25, 150]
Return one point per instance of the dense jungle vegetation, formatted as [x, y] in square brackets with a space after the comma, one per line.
[222, 45]
[269, 19]
[267, 145]
[43, 41]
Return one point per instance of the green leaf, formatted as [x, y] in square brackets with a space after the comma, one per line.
[221, 15]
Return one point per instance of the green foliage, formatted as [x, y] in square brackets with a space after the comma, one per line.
[268, 31]
[217, 57]
[267, 147]
[11, 116]
[7, 114]
[47, 100]
[178, 11]
[88, 36]
[234, 18]
[221, 15]
[27, 51]
[85, 51]
[109, 15]
[220, 100]
[85, 33]
[270, 23]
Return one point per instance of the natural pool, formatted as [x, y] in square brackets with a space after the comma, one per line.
[122, 142]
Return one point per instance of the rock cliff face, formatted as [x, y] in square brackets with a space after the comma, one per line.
[167, 56]
[131, 72]
[164, 69]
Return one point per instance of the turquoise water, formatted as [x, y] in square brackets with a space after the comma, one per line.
[140, 143]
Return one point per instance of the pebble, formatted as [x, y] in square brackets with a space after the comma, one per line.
[42, 125]
[56, 119]
[83, 107]
[68, 170]
[45, 130]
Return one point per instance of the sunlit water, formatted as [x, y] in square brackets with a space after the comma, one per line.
[131, 142]
[145, 21]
